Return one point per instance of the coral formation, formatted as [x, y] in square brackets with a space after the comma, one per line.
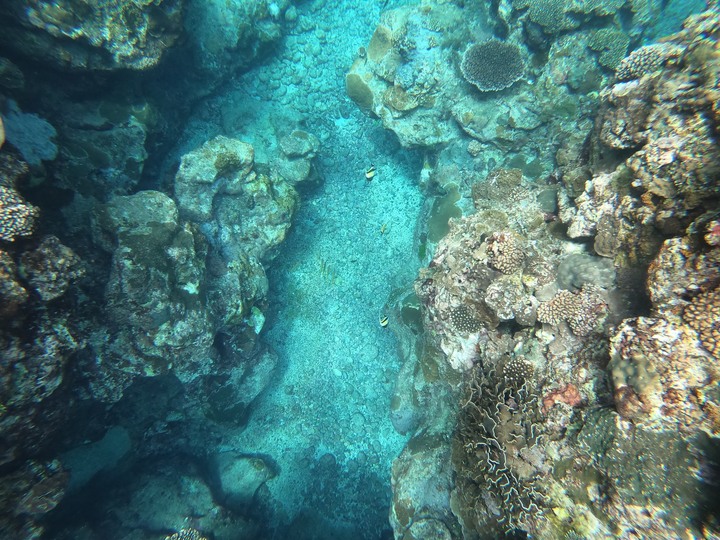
[492, 65]
[584, 311]
[17, 216]
[186, 534]
[123, 34]
[645, 60]
[496, 454]
[51, 268]
[505, 252]
[702, 314]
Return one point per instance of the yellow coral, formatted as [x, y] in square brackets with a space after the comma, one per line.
[703, 316]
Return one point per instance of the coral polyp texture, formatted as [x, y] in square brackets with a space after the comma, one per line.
[492, 65]
[703, 316]
[645, 60]
[505, 252]
[17, 216]
[583, 311]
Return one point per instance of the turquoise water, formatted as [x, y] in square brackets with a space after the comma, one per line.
[124, 408]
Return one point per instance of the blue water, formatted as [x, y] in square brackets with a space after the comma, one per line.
[326, 420]
[323, 422]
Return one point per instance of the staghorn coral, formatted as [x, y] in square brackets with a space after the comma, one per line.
[492, 65]
[505, 252]
[703, 316]
[17, 216]
[584, 311]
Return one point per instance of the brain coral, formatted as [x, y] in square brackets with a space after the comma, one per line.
[492, 65]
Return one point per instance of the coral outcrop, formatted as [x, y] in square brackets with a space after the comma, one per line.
[17, 216]
[72, 35]
[604, 353]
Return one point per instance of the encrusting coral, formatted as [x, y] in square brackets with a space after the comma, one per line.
[495, 451]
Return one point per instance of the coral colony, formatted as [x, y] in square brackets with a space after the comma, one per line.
[359, 270]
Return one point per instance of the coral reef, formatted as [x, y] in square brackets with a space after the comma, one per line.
[72, 35]
[513, 300]
[492, 65]
[497, 450]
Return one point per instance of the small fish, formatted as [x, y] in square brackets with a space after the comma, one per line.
[383, 321]
[383, 228]
[370, 173]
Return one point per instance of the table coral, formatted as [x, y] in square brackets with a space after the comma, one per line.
[492, 65]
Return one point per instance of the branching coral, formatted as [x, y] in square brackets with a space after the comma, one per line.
[505, 252]
[492, 65]
[583, 311]
[645, 60]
